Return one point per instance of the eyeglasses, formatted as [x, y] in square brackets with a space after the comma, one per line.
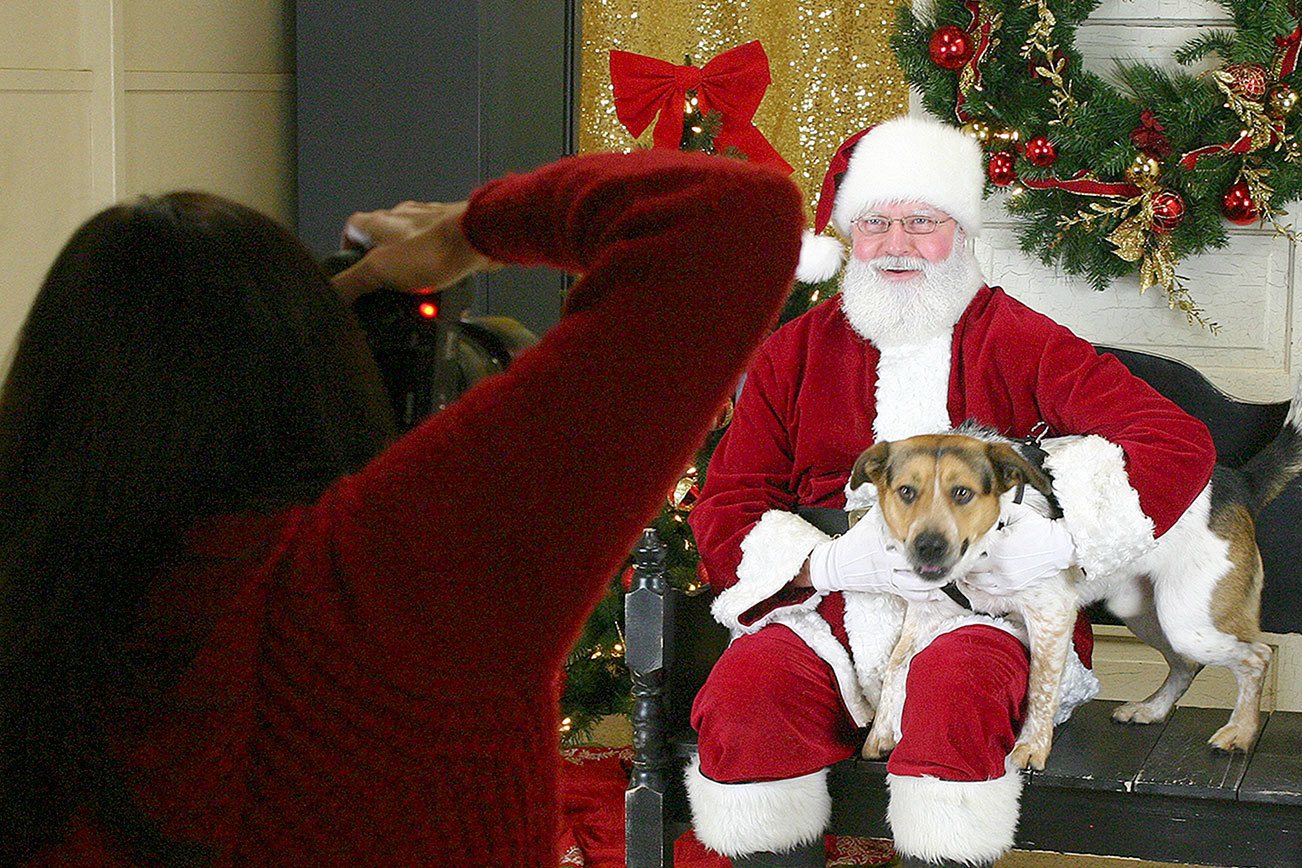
[876, 224]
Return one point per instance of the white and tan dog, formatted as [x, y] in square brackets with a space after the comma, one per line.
[1195, 596]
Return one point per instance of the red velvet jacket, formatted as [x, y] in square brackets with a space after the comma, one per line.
[376, 676]
[806, 413]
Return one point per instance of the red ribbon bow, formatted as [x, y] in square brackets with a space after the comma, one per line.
[1286, 61]
[732, 84]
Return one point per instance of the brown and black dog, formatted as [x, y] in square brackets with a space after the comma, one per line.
[1195, 596]
[939, 497]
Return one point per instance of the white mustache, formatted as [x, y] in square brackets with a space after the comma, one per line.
[900, 263]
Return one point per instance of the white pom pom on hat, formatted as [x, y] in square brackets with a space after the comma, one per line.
[903, 159]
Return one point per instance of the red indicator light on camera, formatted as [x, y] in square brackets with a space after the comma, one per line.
[428, 309]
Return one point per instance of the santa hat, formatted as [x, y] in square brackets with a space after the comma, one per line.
[903, 159]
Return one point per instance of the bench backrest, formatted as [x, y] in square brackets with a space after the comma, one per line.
[1240, 430]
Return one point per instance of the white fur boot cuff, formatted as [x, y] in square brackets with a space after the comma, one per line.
[961, 821]
[738, 819]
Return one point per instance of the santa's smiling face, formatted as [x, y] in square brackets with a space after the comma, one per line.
[910, 275]
[901, 231]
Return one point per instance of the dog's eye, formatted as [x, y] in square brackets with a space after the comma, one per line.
[961, 495]
[907, 494]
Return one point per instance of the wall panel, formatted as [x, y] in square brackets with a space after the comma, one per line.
[235, 142]
[42, 34]
[44, 191]
[202, 36]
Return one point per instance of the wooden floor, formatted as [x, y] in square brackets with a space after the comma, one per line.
[1021, 859]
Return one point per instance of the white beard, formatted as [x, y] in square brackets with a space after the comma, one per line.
[889, 312]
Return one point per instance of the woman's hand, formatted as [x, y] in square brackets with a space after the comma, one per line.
[414, 247]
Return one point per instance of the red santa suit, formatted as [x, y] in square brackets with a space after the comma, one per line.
[804, 668]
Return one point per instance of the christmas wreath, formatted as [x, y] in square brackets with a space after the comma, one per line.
[1112, 178]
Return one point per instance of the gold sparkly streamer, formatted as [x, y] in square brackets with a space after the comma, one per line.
[833, 69]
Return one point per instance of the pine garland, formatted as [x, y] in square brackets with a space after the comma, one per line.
[1029, 83]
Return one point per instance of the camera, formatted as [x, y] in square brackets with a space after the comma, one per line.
[428, 350]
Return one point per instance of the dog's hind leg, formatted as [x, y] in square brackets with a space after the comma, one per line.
[1250, 673]
[1180, 672]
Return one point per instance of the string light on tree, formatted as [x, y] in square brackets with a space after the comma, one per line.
[1282, 100]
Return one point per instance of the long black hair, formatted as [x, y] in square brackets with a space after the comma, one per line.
[185, 357]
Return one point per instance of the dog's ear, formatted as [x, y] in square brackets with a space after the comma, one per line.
[1012, 469]
[871, 465]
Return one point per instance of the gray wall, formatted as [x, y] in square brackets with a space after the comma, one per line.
[426, 100]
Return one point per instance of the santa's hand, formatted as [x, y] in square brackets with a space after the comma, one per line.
[1028, 549]
[865, 559]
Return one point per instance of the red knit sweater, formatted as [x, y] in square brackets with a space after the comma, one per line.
[375, 675]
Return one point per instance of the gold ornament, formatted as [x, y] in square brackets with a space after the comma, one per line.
[685, 494]
[1282, 100]
[979, 130]
[1008, 137]
[1143, 171]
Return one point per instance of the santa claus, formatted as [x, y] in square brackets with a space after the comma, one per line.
[914, 343]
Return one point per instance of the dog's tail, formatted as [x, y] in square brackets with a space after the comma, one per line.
[1270, 470]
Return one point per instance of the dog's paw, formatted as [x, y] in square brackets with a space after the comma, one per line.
[1233, 737]
[1028, 755]
[1138, 712]
[878, 745]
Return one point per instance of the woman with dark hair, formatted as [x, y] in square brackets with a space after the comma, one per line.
[234, 626]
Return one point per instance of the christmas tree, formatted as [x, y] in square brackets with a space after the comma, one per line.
[597, 681]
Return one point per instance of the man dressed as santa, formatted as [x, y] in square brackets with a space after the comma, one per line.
[915, 343]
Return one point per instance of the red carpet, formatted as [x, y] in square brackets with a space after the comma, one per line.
[592, 822]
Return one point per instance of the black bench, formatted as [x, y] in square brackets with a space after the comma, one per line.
[1157, 792]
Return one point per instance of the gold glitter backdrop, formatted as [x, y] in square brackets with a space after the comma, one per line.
[833, 70]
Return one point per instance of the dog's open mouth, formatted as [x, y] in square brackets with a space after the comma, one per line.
[931, 571]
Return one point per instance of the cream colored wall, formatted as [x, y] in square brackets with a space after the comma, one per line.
[102, 100]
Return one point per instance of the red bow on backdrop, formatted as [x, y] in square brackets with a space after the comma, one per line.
[731, 84]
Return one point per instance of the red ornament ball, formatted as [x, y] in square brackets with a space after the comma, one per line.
[1000, 169]
[950, 47]
[1041, 152]
[1168, 211]
[1238, 207]
[1249, 79]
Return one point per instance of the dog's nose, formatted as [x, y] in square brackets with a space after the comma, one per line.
[930, 546]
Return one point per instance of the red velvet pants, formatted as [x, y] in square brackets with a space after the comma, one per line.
[771, 709]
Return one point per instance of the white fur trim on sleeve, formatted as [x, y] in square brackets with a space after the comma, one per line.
[863, 497]
[771, 556]
[1099, 505]
[738, 819]
[954, 821]
[820, 258]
